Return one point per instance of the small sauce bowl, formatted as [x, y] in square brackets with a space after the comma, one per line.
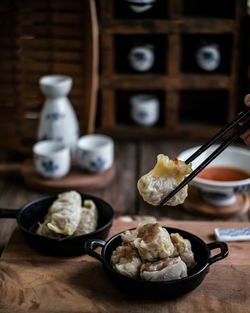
[216, 192]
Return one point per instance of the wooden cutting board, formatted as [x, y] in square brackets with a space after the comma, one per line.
[75, 179]
[32, 282]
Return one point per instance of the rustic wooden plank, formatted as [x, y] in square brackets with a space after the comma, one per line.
[172, 110]
[154, 81]
[174, 55]
[106, 9]
[184, 25]
[190, 131]
[107, 55]
[14, 194]
[175, 9]
[125, 81]
[108, 108]
[121, 192]
[38, 284]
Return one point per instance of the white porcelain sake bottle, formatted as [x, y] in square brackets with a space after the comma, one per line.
[58, 120]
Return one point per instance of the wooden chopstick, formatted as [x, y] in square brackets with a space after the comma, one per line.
[244, 114]
[213, 155]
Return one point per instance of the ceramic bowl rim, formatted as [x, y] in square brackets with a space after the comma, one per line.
[39, 148]
[202, 183]
[86, 142]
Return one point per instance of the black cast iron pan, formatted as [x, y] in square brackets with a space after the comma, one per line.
[35, 211]
[162, 289]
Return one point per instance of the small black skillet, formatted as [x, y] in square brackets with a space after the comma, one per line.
[160, 289]
[33, 212]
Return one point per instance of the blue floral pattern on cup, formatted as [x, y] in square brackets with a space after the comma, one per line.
[98, 164]
[49, 166]
[54, 116]
[143, 115]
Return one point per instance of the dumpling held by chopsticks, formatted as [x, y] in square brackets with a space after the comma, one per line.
[162, 179]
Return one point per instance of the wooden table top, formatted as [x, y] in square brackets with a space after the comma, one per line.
[32, 282]
[133, 159]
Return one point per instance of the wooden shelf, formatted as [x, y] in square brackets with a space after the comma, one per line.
[151, 82]
[136, 132]
[40, 38]
[179, 26]
[185, 91]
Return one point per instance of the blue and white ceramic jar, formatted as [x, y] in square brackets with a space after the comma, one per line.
[58, 120]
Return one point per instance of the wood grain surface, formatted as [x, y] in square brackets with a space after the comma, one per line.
[32, 282]
[133, 159]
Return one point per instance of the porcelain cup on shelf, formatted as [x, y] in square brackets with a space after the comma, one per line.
[208, 57]
[142, 57]
[51, 158]
[140, 6]
[144, 109]
[95, 152]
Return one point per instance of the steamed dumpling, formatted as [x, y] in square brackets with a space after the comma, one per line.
[126, 261]
[63, 216]
[153, 241]
[164, 270]
[128, 237]
[162, 179]
[88, 219]
[183, 249]
[43, 229]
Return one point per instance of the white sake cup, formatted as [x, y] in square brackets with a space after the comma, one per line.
[95, 152]
[140, 6]
[141, 57]
[208, 57]
[144, 109]
[52, 159]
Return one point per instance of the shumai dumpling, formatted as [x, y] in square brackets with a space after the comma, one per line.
[164, 270]
[65, 213]
[128, 237]
[153, 241]
[88, 220]
[162, 179]
[182, 248]
[126, 261]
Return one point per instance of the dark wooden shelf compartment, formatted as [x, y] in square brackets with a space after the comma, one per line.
[178, 30]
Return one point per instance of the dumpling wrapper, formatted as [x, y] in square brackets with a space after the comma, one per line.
[128, 237]
[88, 220]
[65, 213]
[162, 179]
[164, 270]
[126, 261]
[183, 249]
[43, 229]
[153, 241]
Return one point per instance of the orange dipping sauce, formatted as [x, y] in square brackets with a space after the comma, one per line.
[223, 173]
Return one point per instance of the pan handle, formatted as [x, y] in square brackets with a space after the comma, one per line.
[91, 244]
[223, 251]
[9, 213]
